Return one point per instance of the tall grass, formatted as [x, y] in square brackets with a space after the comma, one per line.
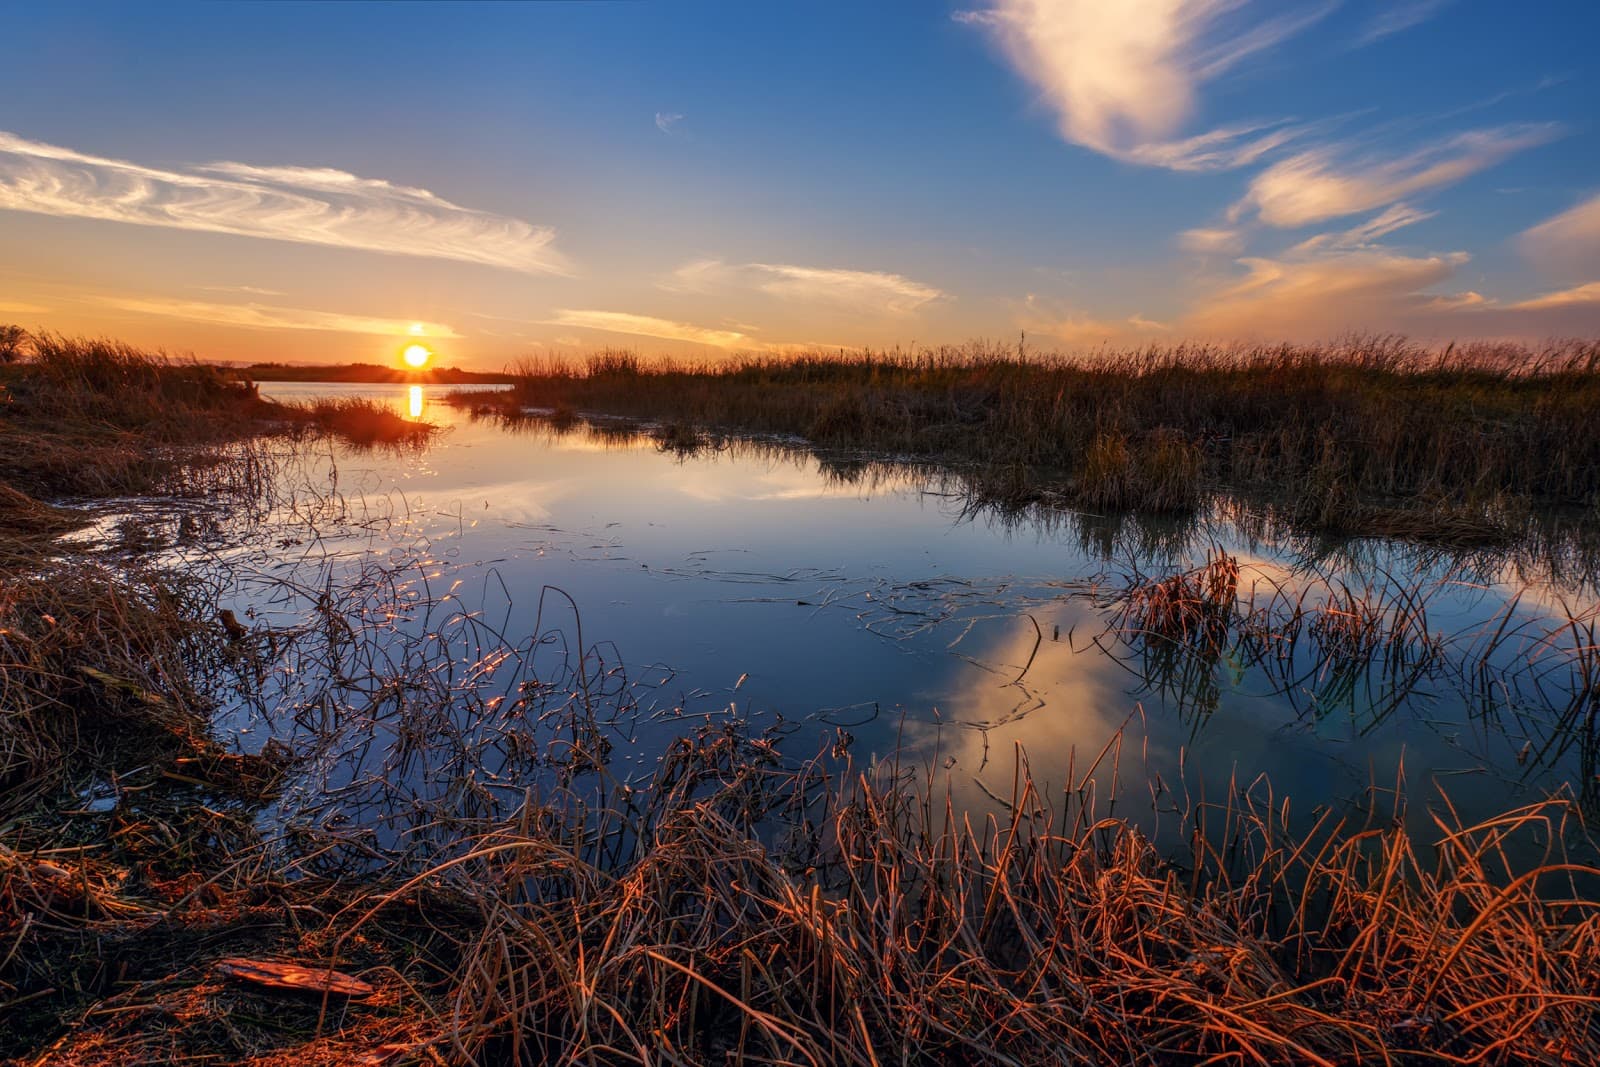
[88, 417]
[1372, 434]
[734, 906]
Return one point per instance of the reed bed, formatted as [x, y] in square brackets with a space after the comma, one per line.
[91, 418]
[433, 804]
[1371, 435]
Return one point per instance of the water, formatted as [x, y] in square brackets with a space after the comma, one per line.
[818, 596]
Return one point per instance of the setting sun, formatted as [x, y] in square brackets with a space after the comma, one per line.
[416, 356]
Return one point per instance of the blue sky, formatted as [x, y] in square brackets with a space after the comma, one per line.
[307, 181]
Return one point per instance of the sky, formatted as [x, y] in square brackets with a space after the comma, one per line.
[314, 182]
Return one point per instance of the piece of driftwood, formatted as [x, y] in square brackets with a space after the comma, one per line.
[300, 977]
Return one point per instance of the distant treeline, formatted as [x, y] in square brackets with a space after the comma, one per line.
[366, 373]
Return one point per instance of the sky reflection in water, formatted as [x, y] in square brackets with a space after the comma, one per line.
[754, 578]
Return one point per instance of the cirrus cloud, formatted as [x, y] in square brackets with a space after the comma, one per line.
[1320, 184]
[893, 293]
[306, 205]
[1569, 241]
[861, 290]
[1586, 295]
[273, 317]
[1316, 293]
[650, 326]
[1211, 241]
[1314, 297]
[1078, 329]
[1123, 78]
[1397, 17]
[1392, 218]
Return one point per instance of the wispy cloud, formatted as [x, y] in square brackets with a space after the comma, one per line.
[307, 205]
[1310, 294]
[1569, 241]
[16, 307]
[876, 290]
[1224, 148]
[1578, 296]
[1464, 301]
[650, 326]
[1392, 218]
[1321, 184]
[1323, 295]
[666, 120]
[1123, 78]
[1397, 17]
[270, 317]
[1078, 329]
[862, 290]
[1217, 241]
[698, 276]
[253, 290]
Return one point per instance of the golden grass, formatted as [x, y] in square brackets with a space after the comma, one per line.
[891, 929]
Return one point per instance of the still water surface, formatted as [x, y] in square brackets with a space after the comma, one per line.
[827, 596]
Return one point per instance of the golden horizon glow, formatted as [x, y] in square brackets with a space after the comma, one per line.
[416, 356]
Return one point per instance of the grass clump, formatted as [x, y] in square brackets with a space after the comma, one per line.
[361, 422]
[99, 665]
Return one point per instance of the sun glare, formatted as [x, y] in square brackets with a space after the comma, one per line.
[416, 356]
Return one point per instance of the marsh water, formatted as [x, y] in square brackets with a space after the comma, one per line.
[839, 603]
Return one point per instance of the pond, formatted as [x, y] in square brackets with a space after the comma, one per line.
[846, 604]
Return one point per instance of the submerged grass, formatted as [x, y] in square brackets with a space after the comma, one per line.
[1373, 435]
[735, 907]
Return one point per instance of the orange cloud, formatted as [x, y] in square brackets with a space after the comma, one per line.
[861, 290]
[650, 326]
[1569, 241]
[269, 317]
[1314, 185]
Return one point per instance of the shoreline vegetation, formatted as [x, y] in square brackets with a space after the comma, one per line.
[1369, 436]
[365, 374]
[741, 908]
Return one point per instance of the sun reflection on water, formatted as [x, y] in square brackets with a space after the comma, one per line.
[415, 399]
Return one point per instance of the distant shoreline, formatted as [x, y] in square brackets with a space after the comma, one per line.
[366, 374]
